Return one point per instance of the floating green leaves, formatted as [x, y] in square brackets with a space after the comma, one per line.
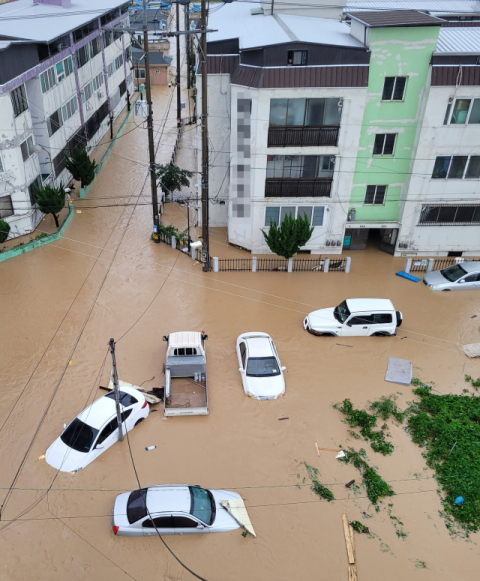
[318, 488]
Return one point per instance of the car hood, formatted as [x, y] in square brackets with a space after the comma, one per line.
[265, 387]
[64, 458]
[436, 278]
[323, 319]
[223, 519]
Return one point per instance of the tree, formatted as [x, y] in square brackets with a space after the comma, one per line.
[51, 200]
[4, 231]
[171, 178]
[290, 237]
[81, 166]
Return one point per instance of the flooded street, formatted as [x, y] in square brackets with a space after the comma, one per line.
[105, 278]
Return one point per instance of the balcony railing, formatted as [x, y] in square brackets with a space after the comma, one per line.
[302, 136]
[301, 188]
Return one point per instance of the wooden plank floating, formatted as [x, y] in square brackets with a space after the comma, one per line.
[348, 540]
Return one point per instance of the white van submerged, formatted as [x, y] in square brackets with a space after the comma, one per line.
[355, 318]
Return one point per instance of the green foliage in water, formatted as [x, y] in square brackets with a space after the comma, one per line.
[386, 407]
[448, 426]
[4, 231]
[170, 231]
[475, 382]
[318, 488]
[365, 421]
[358, 527]
[375, 486]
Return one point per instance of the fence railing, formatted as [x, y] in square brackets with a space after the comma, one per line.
[254, 264]
[428, 264]
[302, 136]
[295, 188]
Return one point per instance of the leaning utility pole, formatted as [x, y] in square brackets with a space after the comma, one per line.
[115, 390]
[179, 102]
[151, 144]
[205, 233]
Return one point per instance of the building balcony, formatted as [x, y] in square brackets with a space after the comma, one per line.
[298, 188]
[303, 136]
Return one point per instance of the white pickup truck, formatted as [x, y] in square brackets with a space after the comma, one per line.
[186, 392]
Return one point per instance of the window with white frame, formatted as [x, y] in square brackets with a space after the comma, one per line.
[91, 87]
[56, 74]
[450, 214]
[384, 143]
[297, 57]
[69, 109]
[276, 214]
[88, 52]
[394, 88]
[54, 122]
[463, 112]
[115, 65]
[457, 167]
[27, 148]
[19, 100]
[375, 195]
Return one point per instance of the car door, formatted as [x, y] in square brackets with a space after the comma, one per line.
[108, 436]
[186, 525]
[468, 282]
[163, 523]
[242, 360]
[357, 326]
[128, 419]
[382, 323]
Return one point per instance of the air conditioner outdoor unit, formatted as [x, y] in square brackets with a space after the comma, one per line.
[100, 94]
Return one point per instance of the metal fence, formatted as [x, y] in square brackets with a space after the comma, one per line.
[280, 264]
[233, 264]
[422, 264]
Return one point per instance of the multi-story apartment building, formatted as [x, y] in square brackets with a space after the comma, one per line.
[286, 99]
[65, 75]
[344, 122]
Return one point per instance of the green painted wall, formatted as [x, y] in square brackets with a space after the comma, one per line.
[402, 51]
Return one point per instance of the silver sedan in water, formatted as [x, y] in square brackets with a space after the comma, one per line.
[462, 276]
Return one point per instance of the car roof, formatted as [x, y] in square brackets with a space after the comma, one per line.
[102, 410]
[168, 499]
[363, 305]
[259, 346]
[469, 266]
[185, 339]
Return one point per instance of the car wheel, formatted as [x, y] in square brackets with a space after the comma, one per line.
[447, 290]
[138, 422]
[382, 334]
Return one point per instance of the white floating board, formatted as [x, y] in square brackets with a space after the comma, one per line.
[399, 371]
[236, 508]
[471, 350]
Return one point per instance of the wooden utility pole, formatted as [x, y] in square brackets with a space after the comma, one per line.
[203, 50]
[151, 144]
[179, 101]
[115, 390]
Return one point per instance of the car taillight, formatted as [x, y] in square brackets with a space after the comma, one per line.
[115, 530]
[145, 404]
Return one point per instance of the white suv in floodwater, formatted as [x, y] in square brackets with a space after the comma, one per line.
[355, 318]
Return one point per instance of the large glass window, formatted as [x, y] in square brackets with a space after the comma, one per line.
[473, 170]
[297, 57]
[137, 505]
[6, 206]
[27, 148]
[440, 169]
[300, 166]
[79, 436]
[276, 214]
[304, 112]
[54, 122]
[202, 504]
[450, 215]
[460, 111]
[457, 167]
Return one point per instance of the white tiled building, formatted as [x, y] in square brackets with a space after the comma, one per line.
[63, 78]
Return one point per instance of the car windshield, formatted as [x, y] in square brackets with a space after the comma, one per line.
[453, 273]
[262, 367]
[79, 436]
[125, 398]
[137, 505]
[341, 312]
[202, 505]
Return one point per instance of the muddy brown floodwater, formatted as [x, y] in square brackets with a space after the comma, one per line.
[106, 279]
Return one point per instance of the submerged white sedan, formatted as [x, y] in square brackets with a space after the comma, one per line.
[96, 429]
[173, 510]
[260, 369]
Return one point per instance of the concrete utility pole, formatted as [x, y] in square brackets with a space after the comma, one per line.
[203, 50]
[179, 101]
[187, 44]
[115, 390]
[151, 144]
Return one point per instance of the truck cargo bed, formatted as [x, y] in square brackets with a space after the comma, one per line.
[187, 397]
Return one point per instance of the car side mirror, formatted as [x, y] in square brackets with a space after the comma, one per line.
[240, 369]
[64, 426]
[99, 447]
[283, 368]
[461, 281]
[349, 324]
[165, 338]
[200, 527]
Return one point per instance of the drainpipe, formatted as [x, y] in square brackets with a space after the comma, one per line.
[77, 85]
